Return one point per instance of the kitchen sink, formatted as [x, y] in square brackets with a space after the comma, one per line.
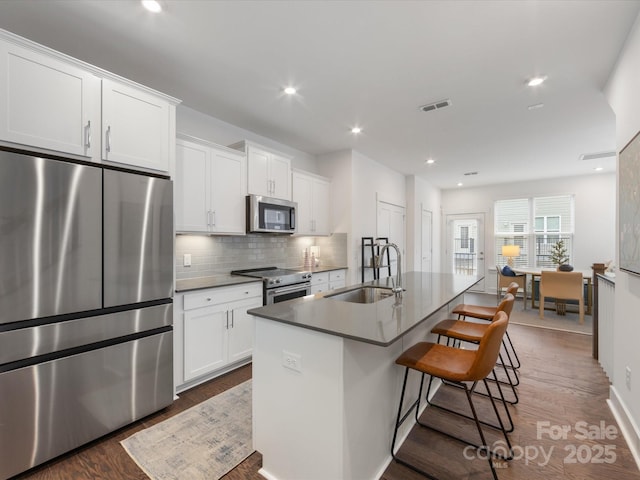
[362, 295]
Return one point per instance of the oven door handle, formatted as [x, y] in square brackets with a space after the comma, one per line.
[288, 289]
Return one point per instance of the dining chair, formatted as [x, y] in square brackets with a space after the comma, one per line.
[562, 286]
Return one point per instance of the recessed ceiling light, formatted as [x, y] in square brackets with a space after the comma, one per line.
[536, 106]
[598, 169]
[152, 5]
[459, 184]
[535, 81]
[356, 130]
[290, 91]
[430, 161]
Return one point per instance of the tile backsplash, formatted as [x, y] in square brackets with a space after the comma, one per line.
[213, 255]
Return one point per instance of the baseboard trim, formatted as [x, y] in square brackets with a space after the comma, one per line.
[630, 430]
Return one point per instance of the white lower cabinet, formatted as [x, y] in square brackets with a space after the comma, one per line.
[337, 279]
[325, 281]
[213, 331]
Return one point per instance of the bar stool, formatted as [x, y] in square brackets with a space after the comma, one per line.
[457, 366]
[472, 332]
[486, 313]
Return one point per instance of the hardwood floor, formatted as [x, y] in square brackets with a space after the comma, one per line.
[560, 385]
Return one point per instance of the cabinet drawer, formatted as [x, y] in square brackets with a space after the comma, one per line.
[336, 275]
[336, 284]
[320, 278]
[215, 296]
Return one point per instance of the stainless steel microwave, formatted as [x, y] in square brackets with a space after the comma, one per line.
[270, 215]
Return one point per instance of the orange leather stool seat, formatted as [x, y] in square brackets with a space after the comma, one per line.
[482, 312]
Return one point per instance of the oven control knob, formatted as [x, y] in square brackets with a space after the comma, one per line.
[271, 282]
[278, 280]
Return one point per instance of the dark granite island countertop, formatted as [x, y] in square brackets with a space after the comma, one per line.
[379, 323]
[325, 378]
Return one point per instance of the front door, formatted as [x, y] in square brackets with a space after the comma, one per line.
[464, 252]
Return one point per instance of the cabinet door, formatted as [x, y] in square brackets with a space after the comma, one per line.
[192, 202]
[259, 182]
[205, 340]
[280, 175]
[228, 192]
[135, 126]
[242, 329]
[47, 103]
[321, 207]
[303, 195]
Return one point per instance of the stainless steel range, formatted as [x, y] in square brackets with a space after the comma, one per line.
[279, 284]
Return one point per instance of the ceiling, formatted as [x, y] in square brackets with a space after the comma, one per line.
[371, 64]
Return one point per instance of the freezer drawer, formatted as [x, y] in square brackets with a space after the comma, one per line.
[138, 238]
[52, 407]
[25, 343]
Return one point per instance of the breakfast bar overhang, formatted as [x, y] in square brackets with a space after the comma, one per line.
[325, 385]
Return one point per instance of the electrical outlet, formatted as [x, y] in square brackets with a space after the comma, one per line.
[186, 260]
[627, 377]
[292, 361]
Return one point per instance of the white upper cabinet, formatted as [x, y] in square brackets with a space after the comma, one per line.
[228, 195]
[268, 172]
[210, 185]
[312, 193]
[192, 187]
[51, 101]
[135, 127]
[48, 103]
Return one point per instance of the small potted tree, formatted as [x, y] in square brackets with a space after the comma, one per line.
[560, 258]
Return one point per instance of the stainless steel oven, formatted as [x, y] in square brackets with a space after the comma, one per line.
[289, 292]
[280, 284]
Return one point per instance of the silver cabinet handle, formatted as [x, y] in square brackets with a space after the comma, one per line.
[273, 188]
[227, 320]
[108, 147]
[213, 218]
[232, 318]
[87, 135]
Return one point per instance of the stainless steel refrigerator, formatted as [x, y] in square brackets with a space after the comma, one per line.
[86, 269]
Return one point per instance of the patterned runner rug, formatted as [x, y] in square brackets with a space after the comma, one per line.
[201, 443]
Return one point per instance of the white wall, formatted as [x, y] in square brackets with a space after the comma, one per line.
[358, 182]
[594, 239]
[422, 195]
[197, 124]
[623, 95]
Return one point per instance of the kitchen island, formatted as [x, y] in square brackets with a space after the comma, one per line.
[325, 385]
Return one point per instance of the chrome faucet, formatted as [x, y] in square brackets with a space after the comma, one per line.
[397, 288]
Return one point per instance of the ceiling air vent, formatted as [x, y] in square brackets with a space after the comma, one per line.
[595, 156]
[468, 174]
[436, 105]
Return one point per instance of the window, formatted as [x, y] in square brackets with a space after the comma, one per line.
[464, 237]
[552, 219]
